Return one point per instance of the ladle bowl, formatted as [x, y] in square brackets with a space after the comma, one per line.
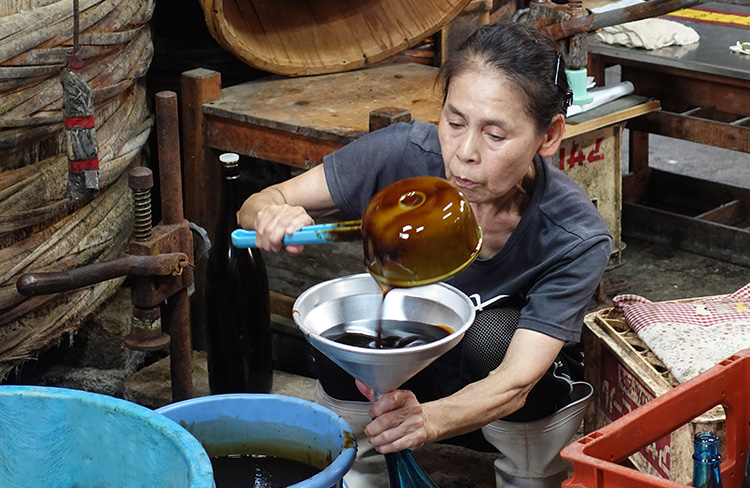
[357, 299]
[419, 231]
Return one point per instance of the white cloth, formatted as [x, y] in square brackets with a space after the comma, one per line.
[690, 336]
[614, 5]
[649, 34]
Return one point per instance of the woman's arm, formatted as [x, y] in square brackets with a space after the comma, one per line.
[285, 207]
[401, 422]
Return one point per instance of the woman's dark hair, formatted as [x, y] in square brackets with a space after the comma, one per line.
[523, 54]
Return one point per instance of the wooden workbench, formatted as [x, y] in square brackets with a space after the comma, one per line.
[704, 90]
[297, 121]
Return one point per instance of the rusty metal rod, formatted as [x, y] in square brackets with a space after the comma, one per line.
[168, 142]
[175, 312]
[593, 22]
[33, 284]
[176, 321]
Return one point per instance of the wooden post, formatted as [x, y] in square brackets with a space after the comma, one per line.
[383, 117]
[201, 170]
[201, 184]
[635, 183]
[596, 69]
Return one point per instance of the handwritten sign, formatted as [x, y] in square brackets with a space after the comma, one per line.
[574, 154]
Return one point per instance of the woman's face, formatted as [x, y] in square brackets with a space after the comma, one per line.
[487, 138]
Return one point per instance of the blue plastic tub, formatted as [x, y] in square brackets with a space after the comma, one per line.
[272, 425]
[56, 437]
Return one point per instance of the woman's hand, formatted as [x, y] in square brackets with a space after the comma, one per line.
[400, 421]
[274, 222]
[272, 218]
[284, 208]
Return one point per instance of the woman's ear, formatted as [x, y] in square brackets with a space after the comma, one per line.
[552, 137]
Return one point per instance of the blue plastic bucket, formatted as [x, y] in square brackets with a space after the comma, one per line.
[56, 437]
[272, 425]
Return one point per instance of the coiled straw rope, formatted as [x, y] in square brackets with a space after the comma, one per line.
[40, 230]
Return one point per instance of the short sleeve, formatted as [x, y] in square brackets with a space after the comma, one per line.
[557, 302]
[355, 172]
[360, 169]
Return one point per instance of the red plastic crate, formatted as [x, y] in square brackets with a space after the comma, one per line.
[596, 456]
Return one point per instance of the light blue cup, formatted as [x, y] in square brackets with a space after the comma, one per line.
[275, 425]
[56, 437]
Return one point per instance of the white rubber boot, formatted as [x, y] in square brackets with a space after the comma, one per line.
[369, 469]
[531, 450]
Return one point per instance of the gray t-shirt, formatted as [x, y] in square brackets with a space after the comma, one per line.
[553, 260]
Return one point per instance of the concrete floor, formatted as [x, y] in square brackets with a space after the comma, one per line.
[697, 160]
[660, 272]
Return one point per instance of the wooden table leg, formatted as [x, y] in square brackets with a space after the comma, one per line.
[634, 184]
[596, 69]
[201, 170]
[200, 173]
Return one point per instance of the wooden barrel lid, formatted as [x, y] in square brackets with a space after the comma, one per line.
[304, 37]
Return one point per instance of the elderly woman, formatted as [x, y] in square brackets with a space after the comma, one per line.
[545, 245]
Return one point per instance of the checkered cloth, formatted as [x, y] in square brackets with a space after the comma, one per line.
[690, 336]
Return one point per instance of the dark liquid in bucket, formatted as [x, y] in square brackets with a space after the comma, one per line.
[259, 471]
[386, 333]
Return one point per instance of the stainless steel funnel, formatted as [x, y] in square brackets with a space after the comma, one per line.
[358, 298]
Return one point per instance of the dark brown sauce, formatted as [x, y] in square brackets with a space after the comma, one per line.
[386, 334]
[379, 338]
[418, 231]
[347, 231]
[259, 471]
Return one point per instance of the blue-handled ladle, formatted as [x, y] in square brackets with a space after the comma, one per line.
[312, 234]
[416, 232]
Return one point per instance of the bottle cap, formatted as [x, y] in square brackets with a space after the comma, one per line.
[229, 159]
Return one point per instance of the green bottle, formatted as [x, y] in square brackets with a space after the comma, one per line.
[405, 472]
[706, 460]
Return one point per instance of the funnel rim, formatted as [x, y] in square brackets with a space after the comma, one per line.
[455, 335]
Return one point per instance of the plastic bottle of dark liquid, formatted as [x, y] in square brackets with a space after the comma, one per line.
[238, 331]
[706, 460]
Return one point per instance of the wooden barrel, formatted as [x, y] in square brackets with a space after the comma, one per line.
[40, 228]
[303, 37]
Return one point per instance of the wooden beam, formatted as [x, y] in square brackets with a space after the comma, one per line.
[719, 134]
[572, 130]
[281, 305]
[383, 117]
[700, 89]
[201, 172]
[710, 239]
[731, 213]
[292, 149]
